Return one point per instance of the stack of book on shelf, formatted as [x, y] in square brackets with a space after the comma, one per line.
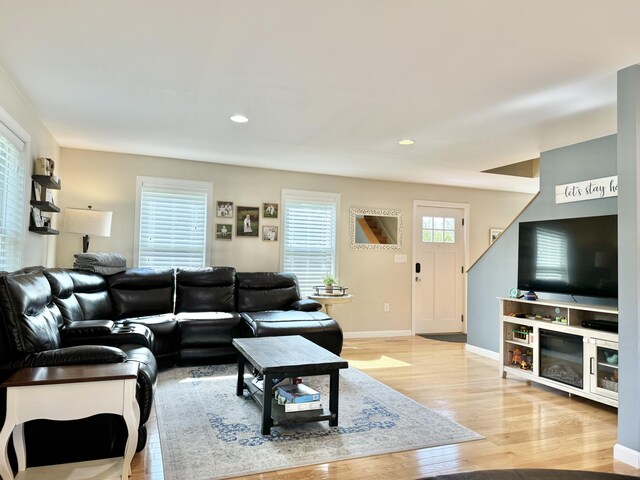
[297, 397]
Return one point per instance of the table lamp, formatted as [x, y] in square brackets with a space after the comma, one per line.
[87, 221]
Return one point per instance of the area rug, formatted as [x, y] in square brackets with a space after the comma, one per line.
[446, 337]
[207, 432]
[530, 474]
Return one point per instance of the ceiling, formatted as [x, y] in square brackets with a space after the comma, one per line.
[328, 86]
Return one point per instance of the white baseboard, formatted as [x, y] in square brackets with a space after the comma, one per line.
[482, 351]
[626, 455]
[385, 333]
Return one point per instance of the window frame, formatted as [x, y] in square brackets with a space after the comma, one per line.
[173, 183]
[311, 195]
[22, 135]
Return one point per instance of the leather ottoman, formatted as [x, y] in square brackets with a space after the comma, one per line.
[318, 327]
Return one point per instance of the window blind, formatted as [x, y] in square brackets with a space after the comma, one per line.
[309, 240]
[12, 178]
[173, 224]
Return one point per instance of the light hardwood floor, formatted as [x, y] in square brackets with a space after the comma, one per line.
[524, 425]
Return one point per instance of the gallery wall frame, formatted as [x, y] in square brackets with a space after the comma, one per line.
[270, 233]
[224, 231]
[224, 209]
[269, 210]
[247, 221]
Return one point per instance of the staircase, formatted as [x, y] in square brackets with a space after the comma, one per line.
[372, 229]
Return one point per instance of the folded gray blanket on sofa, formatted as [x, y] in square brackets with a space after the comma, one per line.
[103, 263]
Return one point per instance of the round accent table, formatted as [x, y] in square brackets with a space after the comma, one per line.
[327, 301]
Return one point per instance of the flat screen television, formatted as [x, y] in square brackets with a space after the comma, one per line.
[574, 256]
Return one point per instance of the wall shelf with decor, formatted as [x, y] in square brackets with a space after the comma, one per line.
[42, 201]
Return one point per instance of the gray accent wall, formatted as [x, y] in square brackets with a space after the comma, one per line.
[628, 258]
[496, 272]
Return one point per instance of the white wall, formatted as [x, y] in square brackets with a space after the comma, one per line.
[38, 249]
[107, 181]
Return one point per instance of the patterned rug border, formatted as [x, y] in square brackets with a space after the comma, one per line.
[348, 375]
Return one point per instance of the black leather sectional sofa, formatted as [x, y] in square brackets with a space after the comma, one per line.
[153, 317]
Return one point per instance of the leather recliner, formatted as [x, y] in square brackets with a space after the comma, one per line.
[30, 336]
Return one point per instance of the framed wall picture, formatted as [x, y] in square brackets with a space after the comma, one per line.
[224, 209]
[36, 218]
[36, 192]
[494, 233]
[223, 231]
[247, 221]
[269, 210]
[270, 233]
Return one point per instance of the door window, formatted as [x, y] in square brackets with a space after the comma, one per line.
[438, 230]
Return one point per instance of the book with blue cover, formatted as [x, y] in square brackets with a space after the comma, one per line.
[298, 393]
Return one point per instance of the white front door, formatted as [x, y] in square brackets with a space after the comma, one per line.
[438, 263]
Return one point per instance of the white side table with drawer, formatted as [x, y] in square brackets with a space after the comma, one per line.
[69, 393]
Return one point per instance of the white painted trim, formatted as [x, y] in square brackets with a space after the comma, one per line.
[466, 209]
[382, 333]
[14, 127]
[482, 352]
[626, 455]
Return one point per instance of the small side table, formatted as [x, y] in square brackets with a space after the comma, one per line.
[68, 393]
[327, 301]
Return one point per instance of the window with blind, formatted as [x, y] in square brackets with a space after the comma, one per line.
[309, 236]
[13, 145]
[172, 222]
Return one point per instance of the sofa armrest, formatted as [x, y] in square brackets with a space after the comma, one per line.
[305, 305]
[88, 327]
[106, 332]
[80, 355]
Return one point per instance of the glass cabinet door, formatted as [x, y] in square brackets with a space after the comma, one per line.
[604, 368]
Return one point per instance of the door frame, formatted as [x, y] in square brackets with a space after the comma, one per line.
[465, 207]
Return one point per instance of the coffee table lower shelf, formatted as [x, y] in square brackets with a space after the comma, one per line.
[285, 357]
[280, 417]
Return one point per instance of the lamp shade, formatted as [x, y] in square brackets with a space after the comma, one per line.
[87, 221]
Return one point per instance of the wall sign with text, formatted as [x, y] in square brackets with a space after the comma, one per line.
[587, 190]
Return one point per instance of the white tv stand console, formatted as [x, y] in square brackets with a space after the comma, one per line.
[546, 343]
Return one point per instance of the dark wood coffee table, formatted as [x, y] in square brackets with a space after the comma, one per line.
[284, 357]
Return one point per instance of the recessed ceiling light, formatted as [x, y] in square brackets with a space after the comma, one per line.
[239, 118]
[407, 141]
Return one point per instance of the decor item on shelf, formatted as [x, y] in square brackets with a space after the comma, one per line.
[44, 166]
[612, 358]
[514, 293]
[530, 295]
[329, 281]
[87, 221]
